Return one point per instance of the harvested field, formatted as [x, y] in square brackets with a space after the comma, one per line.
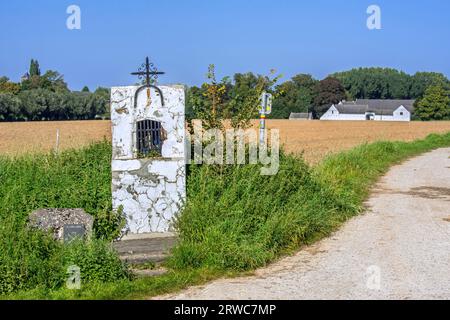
[319, 138]
[40, 136]
[315, 138]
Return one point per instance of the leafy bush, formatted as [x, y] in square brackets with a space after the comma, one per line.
[30, 259]
[73, 179]
[97, 260]
[234, 219]
[27, 259]
[237, 219]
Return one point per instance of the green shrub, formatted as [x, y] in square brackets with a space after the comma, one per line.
[237, 219]
[73, 179]
[234, 220]
[97, 260]
[30, 259]
[27, 259]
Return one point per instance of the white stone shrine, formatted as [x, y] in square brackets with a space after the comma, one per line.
[148, 161]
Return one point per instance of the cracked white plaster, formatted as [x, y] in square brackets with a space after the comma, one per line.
[151, 191]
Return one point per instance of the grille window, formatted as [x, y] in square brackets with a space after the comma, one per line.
[148, 137]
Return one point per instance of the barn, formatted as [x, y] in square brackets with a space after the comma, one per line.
[371, 109]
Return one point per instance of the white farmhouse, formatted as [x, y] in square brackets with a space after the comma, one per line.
[371, 109]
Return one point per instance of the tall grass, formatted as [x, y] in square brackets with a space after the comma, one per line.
[73, 179]
[235, 219]
[30, 259]
[351, 174]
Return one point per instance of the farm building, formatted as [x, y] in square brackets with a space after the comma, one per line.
[370, 109]
[300, 116]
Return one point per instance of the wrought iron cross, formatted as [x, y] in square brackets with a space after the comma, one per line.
[146, 72]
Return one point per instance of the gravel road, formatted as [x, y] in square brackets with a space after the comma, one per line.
[398, 249]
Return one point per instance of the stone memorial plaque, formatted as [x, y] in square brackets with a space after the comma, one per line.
[73, 231]
[56, 221]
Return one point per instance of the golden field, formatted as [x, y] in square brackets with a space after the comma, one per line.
[315, 138]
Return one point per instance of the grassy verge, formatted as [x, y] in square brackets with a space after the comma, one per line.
[73, 179]
[236, 220]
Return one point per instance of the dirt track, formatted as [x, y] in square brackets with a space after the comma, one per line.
[399, 249]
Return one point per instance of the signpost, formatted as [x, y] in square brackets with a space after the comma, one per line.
[265, 108]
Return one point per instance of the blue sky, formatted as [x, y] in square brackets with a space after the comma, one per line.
[183, 36]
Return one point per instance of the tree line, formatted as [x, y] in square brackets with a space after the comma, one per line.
[304, 93]
[47, 97]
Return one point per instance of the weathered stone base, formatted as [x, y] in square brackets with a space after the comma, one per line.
[150, 192]
[144, 248]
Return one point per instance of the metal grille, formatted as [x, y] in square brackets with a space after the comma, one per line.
[148, 137]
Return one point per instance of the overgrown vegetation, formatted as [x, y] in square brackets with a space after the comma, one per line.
[30, 259]
[73, 179]
[235, 220]
[304, 93]
[237, 100]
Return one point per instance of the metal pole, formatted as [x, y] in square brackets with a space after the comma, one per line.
[265, 109]
[262, 128]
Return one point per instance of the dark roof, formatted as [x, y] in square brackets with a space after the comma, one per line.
[392, 105]
[377, 106]
[351, 108]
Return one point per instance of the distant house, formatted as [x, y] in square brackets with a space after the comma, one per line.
[300, 116]
[25, 77]
[369, 109]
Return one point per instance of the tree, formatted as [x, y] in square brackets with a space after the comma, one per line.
[375, 83]
[327, 92]
[47, 97]
[423, 80]
[54, 81]
[245, 95]
[295, 95]
[7, 86]
[194, 101]
[85, 89]
[51, 80]
[10, 107]
[34, 68]
[103, 100]
[435, 105]
[34, 103]
[236, 100]
[213, 109]
[386, 83]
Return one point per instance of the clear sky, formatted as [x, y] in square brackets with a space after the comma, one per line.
[183, 36]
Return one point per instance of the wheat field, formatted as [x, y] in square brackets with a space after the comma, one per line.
[315, 139]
